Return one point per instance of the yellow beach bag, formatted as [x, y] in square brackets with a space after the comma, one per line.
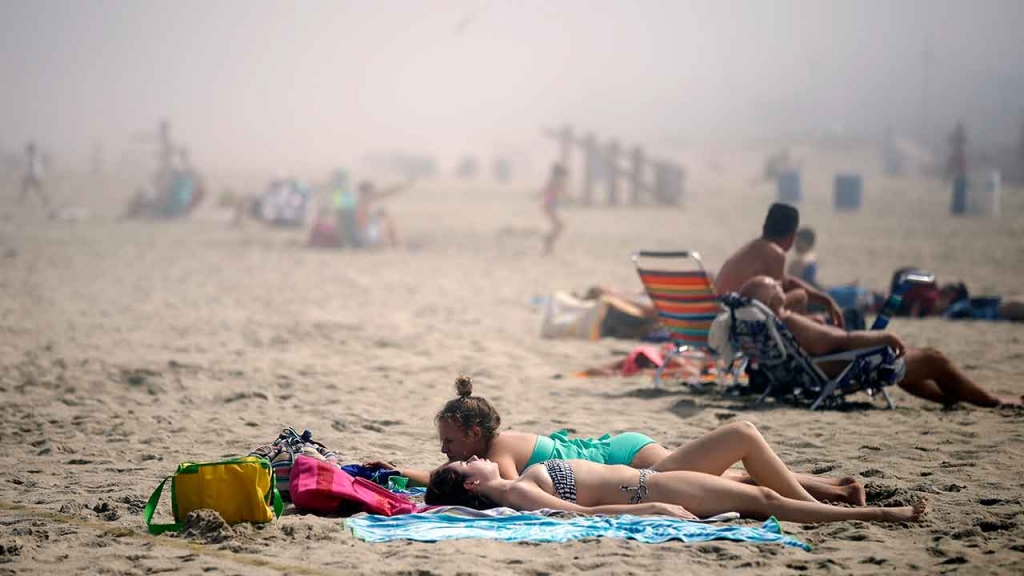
[240, 490]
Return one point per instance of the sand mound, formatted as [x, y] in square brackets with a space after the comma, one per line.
[206, 525]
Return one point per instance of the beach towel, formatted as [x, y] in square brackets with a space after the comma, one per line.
[505, 511]
[533, 527]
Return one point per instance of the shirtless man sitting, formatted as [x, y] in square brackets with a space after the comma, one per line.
[928, 374]
[766, 256]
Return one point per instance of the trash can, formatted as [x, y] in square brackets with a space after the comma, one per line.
[849, 190]
[788, 183]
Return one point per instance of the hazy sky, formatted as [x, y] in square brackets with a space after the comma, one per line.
[305, 85]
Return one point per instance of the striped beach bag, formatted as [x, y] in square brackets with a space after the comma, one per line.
[282, 452]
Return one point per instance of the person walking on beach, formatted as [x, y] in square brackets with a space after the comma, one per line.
[33, 180]
[551, 197]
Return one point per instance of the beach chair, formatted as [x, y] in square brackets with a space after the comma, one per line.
[756, 332]
[681, 292]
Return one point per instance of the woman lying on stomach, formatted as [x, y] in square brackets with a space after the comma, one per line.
[591, 488]
[470, 426]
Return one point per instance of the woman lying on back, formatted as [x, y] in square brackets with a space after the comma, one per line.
[591, 488]
[468, 426]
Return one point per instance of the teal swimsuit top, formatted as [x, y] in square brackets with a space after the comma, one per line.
[619, 449]
[542, 450]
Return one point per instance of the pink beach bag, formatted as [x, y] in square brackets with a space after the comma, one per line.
[322, 488]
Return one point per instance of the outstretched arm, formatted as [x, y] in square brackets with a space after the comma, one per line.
[420, 477]
[819, 339]
[387, 192]
[417, 477]
[529, 496]
[815, 295]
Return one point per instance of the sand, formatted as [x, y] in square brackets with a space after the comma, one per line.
[128, 347]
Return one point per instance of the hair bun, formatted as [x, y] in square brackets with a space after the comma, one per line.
[464, 386]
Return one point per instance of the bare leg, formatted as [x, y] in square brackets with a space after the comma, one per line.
[1012, 308]
[32, 185]
[707, 495]
[716, 451]
[933, 376]
[613, 369]
[42, 194]
[824, 489]
[846, 490]
[554, 233]
[392, 231]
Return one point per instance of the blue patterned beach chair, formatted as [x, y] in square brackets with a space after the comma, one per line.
[791, 373]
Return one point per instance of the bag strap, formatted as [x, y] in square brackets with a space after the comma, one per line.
[154, 499]
[278, 502]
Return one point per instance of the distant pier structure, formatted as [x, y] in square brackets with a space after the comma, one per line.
[648, 181]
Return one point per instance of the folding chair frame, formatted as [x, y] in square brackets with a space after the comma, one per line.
[855, 361]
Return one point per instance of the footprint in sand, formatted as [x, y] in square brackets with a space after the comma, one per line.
[244, 395]
[989, 525]
[106, 511]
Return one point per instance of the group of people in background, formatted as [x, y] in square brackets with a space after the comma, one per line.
[356, 219]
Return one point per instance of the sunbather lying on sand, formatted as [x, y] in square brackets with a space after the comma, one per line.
[468, 427]
[592, 488]
[929, 374]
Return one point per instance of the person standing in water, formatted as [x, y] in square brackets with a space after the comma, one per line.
[551, 197]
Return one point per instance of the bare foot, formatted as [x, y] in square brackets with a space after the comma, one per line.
[905, 513]
[1011, 400]
[854, 491]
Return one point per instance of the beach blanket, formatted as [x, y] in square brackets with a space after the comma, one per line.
[533, 527]
[505, 511]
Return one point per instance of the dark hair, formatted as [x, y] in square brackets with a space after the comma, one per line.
[467, 410]
[557, 170]
[806, 235]
[447, 487]
[782, 220]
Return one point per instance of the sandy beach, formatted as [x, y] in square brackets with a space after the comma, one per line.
[128, 347]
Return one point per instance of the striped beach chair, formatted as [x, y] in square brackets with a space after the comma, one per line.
[681, 292]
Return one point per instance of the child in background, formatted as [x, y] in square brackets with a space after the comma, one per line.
[551, 196]
[849, 296]
[804, 264]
